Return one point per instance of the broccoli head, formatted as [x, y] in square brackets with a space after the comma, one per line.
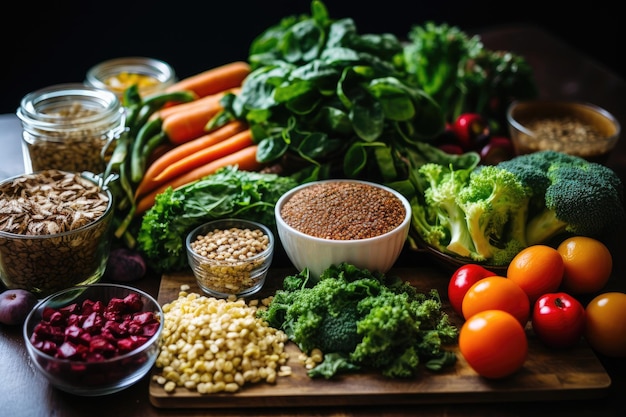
[440, 210]
[583, 198]
[532, 171]
[495, 204]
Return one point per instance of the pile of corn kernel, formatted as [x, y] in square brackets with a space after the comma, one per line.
[215, 345]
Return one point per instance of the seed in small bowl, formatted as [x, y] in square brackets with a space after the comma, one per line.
[230, 256]
[575, 128]
[324, 223]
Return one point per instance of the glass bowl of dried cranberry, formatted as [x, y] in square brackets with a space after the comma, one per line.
[96, 339]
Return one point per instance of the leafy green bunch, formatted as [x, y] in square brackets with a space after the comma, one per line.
[335, 99]
[363, 320]
[324, 100]
[229, 192]
[462, 75]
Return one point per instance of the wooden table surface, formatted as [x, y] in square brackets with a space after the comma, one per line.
[561, 72]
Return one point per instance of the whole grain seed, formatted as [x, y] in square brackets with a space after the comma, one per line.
[240, 349]
[343, 210]
[75, 146]
[229, 258]
[567, 134]
[51, 202]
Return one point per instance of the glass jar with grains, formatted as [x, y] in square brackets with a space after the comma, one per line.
[69, 127]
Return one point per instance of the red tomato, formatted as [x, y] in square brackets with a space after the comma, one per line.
[498, 149]
[558, 320]
[470, 129]
[463, 278]
[497, 293]
[605, 326]
[493, 343]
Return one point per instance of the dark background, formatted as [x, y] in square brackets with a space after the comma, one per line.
[58, 41]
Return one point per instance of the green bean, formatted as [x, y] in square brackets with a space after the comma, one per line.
[149, 147]
[155, 102]
[130, 195]
[147, 131]
[131, 116]
[159, 100]
[131, 96]
[119, 154]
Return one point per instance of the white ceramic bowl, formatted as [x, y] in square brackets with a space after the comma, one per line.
[94, 369]
[377, 253]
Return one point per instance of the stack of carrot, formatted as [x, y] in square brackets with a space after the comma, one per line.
[192, 151]
[174, 145]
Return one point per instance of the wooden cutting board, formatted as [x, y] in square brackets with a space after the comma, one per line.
[547, 374]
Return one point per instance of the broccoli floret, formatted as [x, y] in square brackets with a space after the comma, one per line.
[531, 170]
[495, 204]
[429, 227]
[583, 198]
[490, 213]
[360, 319]
[569, 194]
[440, 204]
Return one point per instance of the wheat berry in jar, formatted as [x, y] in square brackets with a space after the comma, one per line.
[343, 211]
[69, 127]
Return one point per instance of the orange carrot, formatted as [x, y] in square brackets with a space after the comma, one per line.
[159, 151]
[223, 146]
[244, 159]
[210, 100]
[215, 79]
[184, 126]
[181, 151]
[232, 144]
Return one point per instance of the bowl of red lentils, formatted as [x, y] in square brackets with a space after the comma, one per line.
[328, 222]
[577, 128]
[230, 257]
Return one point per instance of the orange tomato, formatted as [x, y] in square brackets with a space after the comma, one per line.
[496, 293]
[493, 343]
[588, 265]
[538, 269]
[605, 324]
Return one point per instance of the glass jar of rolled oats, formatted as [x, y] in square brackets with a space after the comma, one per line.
[71, 127]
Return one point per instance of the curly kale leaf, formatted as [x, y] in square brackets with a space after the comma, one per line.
[363, 320]
[227, 193]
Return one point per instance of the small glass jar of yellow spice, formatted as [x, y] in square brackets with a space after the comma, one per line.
[149, 74]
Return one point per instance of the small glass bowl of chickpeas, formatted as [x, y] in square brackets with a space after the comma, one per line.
[230, 257]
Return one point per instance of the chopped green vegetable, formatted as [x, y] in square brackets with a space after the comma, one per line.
[227, 193]
[490, 213]
[462, 75]
[362, 320]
